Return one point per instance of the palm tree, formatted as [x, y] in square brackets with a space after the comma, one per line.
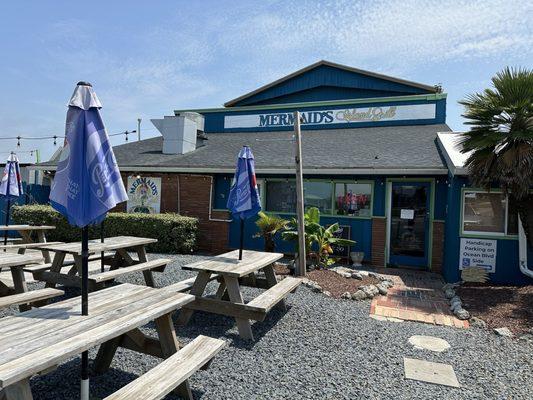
[501, 139]
[269, 226]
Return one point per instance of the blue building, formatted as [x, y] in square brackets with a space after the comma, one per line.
[378, 158]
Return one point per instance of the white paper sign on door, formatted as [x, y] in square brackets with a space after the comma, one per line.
[407, 214]
[479, 253]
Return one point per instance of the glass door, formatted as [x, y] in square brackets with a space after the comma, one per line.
[409, 224]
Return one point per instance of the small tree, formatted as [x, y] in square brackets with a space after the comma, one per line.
[500, 141]
[269, 226]
[319, 241]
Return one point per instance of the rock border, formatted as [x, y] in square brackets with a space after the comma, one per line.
[456, 304]
[364, 292]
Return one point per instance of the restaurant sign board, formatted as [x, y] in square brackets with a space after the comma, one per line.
[333, 116]
[144, 195]
[480, 253]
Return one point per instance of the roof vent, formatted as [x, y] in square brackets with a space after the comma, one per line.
[180, 132]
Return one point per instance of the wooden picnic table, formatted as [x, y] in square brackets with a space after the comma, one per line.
[37, 341]
[233, 273]
[25, 232]
[119, 260]
[15, 262]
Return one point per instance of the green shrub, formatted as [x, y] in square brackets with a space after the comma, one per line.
[174, 233]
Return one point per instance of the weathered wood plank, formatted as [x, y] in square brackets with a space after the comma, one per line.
[169, 374]
[275, 294]
[12, 260]
[96, 246]
[30, 337]
[25, 227]
[227, 308]
[198, 287]
[235, 297]
[112, 274]
[29, 297]
[229, 263]
[18, 391]
[116, 324]
[72, 306]
[25, 245]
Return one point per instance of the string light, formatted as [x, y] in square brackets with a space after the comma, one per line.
[19, 138]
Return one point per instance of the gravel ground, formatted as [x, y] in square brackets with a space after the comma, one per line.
[321, 348]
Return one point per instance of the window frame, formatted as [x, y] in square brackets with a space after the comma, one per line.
[480, 234]
[332, 205]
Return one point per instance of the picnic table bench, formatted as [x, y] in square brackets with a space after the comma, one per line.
[231, 274]
[116, 256]
[26, 231]
[37, 341]
[20, 295]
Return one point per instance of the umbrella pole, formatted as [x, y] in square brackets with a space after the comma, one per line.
[242, 239]
[84, 308]
[8, 206]
[102, 241]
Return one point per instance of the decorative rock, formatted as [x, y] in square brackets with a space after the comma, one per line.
[357, 275]
[359, 295]
[369, 290]
[429, 343]
[476, 322]
[456, 307]
[505, 332]
[346, 296]
[364, 274]
[387, 283]
[461, 313]
[373, 275]
[317, 288]
[455, 299]
[382, 289]
[449, 293]
[326, 293]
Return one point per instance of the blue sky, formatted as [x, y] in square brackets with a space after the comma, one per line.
[146, 59]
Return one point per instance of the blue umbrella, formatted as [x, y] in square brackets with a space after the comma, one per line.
[243, 199]
[11, 185]
[87, 183]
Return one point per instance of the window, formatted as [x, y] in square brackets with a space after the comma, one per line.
[488, 213]
[353, 199]
[281, 196]
[318, 194]
[331, 198]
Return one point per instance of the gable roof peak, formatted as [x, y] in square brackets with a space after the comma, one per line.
[429, 88]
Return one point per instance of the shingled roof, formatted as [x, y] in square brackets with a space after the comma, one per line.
[394, 149]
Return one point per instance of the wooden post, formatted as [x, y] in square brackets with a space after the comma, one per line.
[300, 267]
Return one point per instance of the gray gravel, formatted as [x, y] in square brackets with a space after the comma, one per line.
[321, 348]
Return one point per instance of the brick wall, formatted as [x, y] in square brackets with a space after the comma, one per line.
[437, 250]
[378, 241]
[192, 201]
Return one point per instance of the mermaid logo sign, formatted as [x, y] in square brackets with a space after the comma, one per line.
[144, 195]
[333, 116]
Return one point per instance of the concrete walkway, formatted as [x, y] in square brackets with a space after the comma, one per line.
[416, 296]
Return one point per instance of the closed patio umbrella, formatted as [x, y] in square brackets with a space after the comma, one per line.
[11, 185]
[87, 183]
[243, 199]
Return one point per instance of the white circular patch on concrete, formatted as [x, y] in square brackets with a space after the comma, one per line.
[429, 343]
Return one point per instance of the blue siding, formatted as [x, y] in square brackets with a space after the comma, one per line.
[214, 121]
[361, 232]
[329, 76]
[507, 268]
[324, 93]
